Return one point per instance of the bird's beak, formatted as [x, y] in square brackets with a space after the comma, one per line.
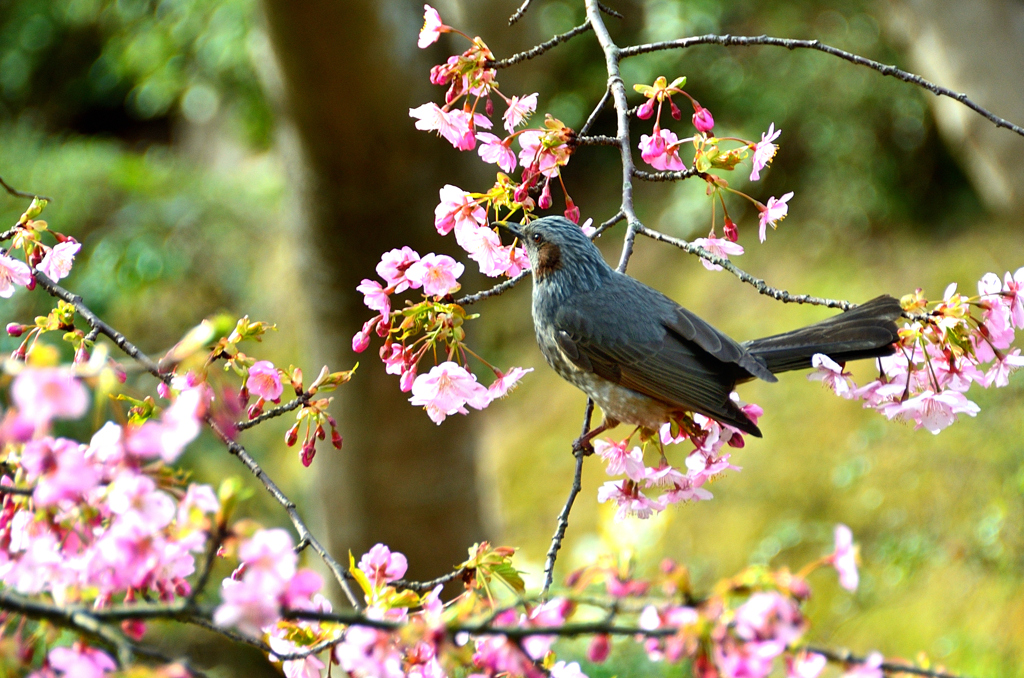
[511, 227]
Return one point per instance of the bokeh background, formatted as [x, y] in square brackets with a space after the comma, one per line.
[257, 158]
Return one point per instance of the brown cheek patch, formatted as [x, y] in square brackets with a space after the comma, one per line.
[549, 259]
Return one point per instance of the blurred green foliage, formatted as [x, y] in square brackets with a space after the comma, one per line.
[149, 123]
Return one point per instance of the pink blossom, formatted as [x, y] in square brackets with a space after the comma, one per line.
[764, 151]
[630, 500]
[393, 265]
[518, 111]
[432, 27]
[506, 382]
[57, 262]
[247, 605]
[831, 374]
[702, 119]
[134, 498]
[666, 475]
[395, 358]
[773, 212]
[375, 297]
[770, 617]
[81, 662]
[999, 374]
[59, 470]
[534, 152]
[264, 381]
[844, 558]
[933, 411]
[599, 649]
[719, 247]
[646, 109]
[805, 665]
[1013, 287]
[563, 670]
[177, 427]
[493, 150]
[361, 339]
[463, 133]
[661, 150]
[457, 207]
[12, 272]
[46, 393]
[446, 389]
[871, 668]
[618, 461]
[369, 653]
[382, 566]
[430, 117]
[278, 639]
[268, 555]
[436, 273]
[484, 247]
[588, 228]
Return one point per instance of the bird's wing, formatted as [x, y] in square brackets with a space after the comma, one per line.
[643, 353]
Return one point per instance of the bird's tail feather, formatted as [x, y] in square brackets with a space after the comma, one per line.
[867, 331]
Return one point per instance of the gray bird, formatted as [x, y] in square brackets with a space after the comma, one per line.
[644, 358]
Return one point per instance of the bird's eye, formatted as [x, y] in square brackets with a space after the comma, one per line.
[536, 238]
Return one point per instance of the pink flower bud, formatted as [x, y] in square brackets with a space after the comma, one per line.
[243, 395]
[308, 452]
[292, 435]
[599, 648]
[405, 382]
[255, 410]
[19, 353]
[81, 355]
[489, 107]
[646, 110]
[133, 628]
[361, 341]
[15, 330]
[676, 113]
[572, 213]
[439, 74]
[31, 284]
[320, 433]
[521, 192]
[732, 234]
[336, 438]
[702, 119]
[544, 202]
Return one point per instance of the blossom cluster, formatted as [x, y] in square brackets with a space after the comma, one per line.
[471, 81]
[963, 340]
[421, 328]
[98, 522]
[702, 464]
[661, 148]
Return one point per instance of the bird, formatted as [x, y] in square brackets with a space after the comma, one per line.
[646, 360]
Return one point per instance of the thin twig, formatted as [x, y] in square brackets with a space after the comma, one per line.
[884, 69]
[518, 14]
[846, 657]
[493, 292]
[539, 49]
[592, 118]
[596, 140]
[20, 491]
[562, 524]
[428, 585]
[22, 194]
[668, 175]
[305, 536]
[300, 401]
[609, 11]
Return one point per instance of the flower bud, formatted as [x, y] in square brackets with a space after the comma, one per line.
[292, 435]
[489, 107]
[16, 330]
[702, 119]
[521, 192]
[307, 453]
[81, 355]
[336, 438]
[599, 648]
[361, 341]
[676, 113]
[19, 353]
[255, 410]
[544, 202]
[572, 213]
[405, 382]
[732, 234]
[646, 110]
[133, 628]
[31, 284]
[320, 433]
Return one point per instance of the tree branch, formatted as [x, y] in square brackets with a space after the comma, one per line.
[21, 194]
[289, 406]
[518, 14]
[539, 49]
[884, 69]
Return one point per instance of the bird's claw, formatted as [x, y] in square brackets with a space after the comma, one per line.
[582, 446]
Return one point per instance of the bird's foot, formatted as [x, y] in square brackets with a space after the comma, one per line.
[582, 446]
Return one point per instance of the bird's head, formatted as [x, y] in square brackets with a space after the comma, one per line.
[559, 249]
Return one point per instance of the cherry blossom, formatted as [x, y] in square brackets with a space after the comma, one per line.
[57, 262]
[719, 247]
[264, 381]
[45, 393]
[563, 670]
[375, 297]
[519, 110]
[831, 374]
[436, 273]
[544, 156]
[494, 150]
[805, 665]
[394, 263]
[81, 662]
[457, 207]
[661, 150]
[932, 411]
[432, 27]
[702, 119]
[1004, 366]
[630, 500]
[764, 151]
[382, 566]
[871, 668]
[506, 382]
[446, 389]
[1013, 288]
[12, 273]
[59, 470]
[619, 461]
[844, 558]
[772, 213]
